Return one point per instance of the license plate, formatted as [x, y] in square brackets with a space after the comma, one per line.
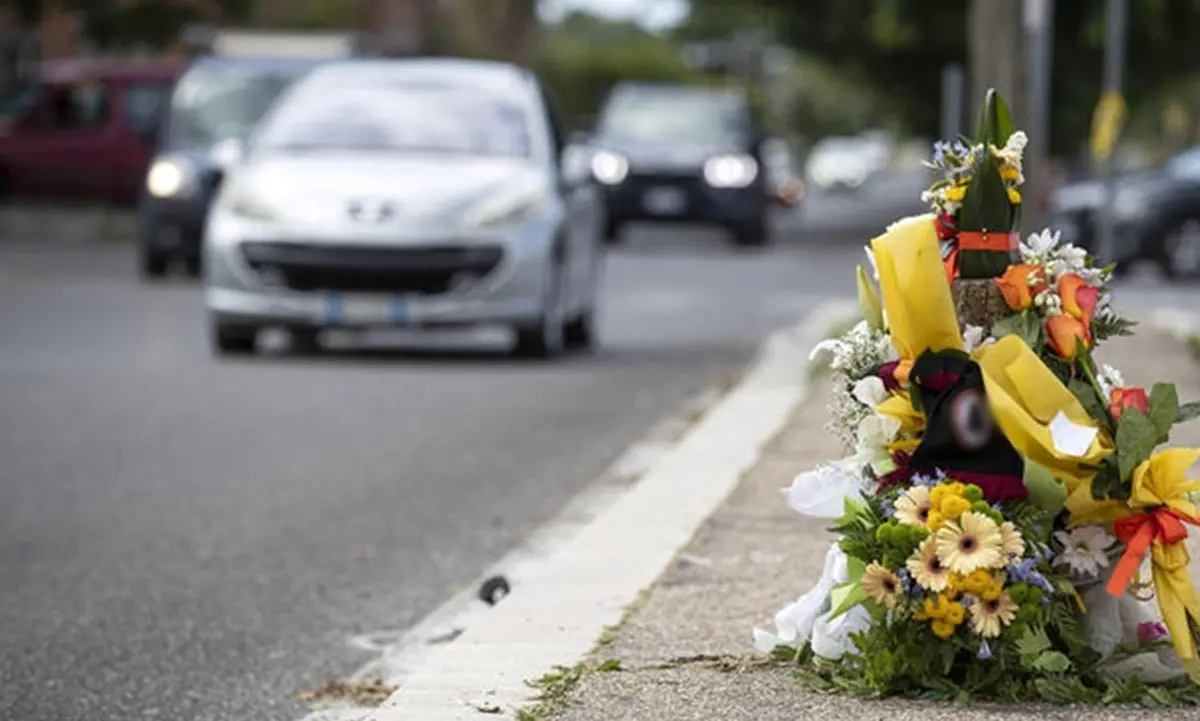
[365, 310]
[665, 201]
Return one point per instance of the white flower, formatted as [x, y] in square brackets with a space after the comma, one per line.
[1040, 245]
[974, 338]
[870, 391]
[822, 492]
[1109, 378]
[874, 434]
[1016, 142]
[1085, 549]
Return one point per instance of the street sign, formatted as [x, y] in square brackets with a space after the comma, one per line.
[1107, 122]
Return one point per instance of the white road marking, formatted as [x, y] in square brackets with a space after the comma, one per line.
[576, 576]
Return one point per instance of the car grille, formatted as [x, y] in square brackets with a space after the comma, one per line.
[360, 269]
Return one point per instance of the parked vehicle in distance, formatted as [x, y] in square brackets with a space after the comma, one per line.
[217, 100]
[845, 163]
[784, 179]
[676, 153]
[1156, 216]
[84, 132]
[414, 194]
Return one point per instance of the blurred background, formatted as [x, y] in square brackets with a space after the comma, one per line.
[190, 535]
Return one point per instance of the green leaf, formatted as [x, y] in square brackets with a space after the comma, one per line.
[1188, 412]
[1164, 409]
[1088, 397]
[868, 301]
[1136, 439]
[1032, 644]
[1045, 491]
[1052, 662]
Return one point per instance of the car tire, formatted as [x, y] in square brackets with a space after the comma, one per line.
[1178, 254]
[233, 339]
[544, 338]
[614, 233]
[305, 341]
[579, 333]
[153, 264]
[193, 266]
[752, 235]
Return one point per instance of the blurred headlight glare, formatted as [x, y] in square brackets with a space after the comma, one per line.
[609, 168]
[731, 171]
[167, 178]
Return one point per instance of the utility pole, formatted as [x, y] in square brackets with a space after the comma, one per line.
[1114, 66]
[997, 56]
[1039, 38]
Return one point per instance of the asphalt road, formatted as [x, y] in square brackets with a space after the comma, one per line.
[183, 538]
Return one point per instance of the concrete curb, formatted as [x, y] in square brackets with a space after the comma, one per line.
[585, 584]
[1175, 322]
[66, 224]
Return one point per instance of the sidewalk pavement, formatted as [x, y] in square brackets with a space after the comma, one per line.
[686, 653]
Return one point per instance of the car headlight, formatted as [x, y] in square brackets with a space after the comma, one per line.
[170, 178]
[1130, 205]
[731, 171]
[510, 208]
[609, 168]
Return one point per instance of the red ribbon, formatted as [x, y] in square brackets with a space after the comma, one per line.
[1138, 532]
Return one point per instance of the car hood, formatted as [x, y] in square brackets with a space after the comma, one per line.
[1089, 195]
[422, 190]
[658, 156]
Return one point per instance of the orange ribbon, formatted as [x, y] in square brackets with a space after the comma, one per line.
[1138, 532]
[950, 262]
[985, 240]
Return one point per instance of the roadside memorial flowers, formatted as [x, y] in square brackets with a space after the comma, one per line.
[1001, 489]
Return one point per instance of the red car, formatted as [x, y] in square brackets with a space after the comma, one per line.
[85, 132]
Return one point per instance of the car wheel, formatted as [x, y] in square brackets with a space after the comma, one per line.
[153, 264]
[305, 341]
[543, 338]
[752, 235]
[614, 233]
[580, 332]
[1179, 254]
[233, 338]
[193, 266]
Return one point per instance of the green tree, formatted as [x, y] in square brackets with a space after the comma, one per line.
[900, 47]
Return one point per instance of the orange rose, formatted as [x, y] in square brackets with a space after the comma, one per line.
[1062, 331]
[1020, 283]
[1078, 298]
[1122, 398]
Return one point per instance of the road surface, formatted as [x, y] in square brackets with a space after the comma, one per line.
[184, 538]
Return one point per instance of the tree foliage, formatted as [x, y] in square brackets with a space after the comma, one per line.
[900, 47]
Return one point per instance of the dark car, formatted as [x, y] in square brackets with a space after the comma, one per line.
[218, 100]
[82, 131]
[1156, 216]
[681, 154]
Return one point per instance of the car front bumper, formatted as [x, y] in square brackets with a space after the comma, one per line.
[260, 276]
[684, 198]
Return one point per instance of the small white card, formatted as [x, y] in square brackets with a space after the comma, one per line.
[1069, 438]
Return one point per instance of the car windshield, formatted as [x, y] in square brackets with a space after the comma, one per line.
[673, 116]
[401, 116]
[219, 103]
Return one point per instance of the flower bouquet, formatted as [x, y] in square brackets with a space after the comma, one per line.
[1001, 489]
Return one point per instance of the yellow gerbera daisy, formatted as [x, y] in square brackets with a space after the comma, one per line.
[969, 543]
[1012, 545]
[956, 193]
[988, 616]
[925, 567]
[912, 508]
[1014, 196]
[953, 506]
[881, 585]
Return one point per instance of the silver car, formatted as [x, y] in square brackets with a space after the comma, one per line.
[409, 194]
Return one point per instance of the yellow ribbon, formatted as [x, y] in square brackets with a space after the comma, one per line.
[1024, 396]
[916, 296]
[1160, 485]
